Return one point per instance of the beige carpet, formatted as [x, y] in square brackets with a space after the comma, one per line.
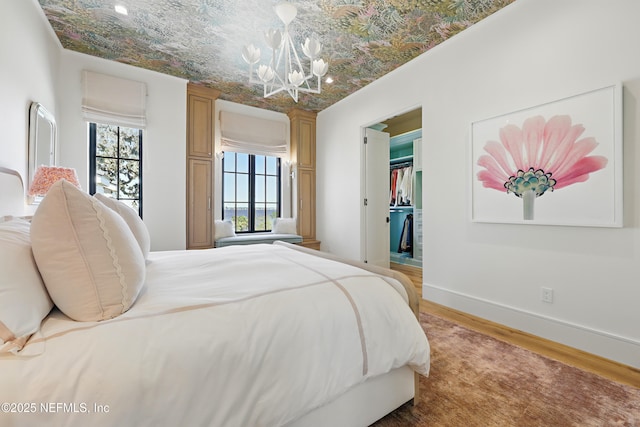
[477, 380]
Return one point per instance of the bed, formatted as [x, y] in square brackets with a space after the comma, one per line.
[249, 335]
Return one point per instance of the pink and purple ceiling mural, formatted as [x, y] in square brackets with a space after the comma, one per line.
[202, 40]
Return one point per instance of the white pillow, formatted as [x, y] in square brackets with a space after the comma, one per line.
[284, 226]
[224, 229]
[24, 301]
[88, 257]
[133, 220]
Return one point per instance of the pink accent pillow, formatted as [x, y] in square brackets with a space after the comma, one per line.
[89, 259]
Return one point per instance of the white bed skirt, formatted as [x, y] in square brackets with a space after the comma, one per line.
[364, 404]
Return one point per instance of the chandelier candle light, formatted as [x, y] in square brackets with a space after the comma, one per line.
[285, 72]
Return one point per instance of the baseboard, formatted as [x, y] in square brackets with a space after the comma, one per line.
[620, 349]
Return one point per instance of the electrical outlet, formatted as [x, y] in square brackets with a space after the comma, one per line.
[546, 295]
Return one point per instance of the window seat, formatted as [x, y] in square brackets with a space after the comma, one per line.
[253, 238]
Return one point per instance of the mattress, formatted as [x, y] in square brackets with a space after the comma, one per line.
[254, 335]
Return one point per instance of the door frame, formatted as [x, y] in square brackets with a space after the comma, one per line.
[363, 171]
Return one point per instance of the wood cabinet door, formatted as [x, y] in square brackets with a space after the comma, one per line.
[200, 125]
[307, 144]
[307, 203]
[200, 219]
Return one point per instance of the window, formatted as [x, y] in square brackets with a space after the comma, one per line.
[250, 191]
[115, 163]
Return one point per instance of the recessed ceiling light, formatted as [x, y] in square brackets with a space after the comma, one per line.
[122, 10]
[329, 80]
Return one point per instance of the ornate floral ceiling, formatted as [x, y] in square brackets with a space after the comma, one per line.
[201, 40]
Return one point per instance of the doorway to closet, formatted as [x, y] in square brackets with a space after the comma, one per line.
[403, 199]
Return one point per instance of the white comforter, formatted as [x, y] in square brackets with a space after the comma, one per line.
[237, 336]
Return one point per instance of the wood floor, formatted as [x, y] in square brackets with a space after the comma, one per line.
[571, 356]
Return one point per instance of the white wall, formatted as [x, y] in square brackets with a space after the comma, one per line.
[531, 52]
[29, 56]
[36, 68]
[164, 142]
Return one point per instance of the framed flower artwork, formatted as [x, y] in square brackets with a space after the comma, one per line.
[558, 163]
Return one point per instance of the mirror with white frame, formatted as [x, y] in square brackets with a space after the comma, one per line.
[42, 140]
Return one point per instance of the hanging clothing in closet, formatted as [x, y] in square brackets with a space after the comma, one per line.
[406, 237]
[401, 186]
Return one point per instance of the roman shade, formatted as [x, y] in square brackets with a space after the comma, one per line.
[252, 135]
[113, 100]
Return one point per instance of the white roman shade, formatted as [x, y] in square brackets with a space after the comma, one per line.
[113, 100]
[252, 135]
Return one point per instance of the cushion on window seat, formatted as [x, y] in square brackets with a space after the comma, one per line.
[254, 238]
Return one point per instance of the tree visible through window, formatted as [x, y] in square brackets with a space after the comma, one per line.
[250, 191]
[115, 163]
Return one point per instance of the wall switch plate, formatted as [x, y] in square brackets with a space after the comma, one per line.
[546, 295]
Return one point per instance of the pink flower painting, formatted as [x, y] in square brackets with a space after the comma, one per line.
[539, 158]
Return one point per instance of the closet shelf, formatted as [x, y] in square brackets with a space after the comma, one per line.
[401, 159]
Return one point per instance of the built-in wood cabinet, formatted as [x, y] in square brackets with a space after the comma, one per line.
[199, 206]
[303, 160]
[304, 130]
[307, 203]
[200, 143]
[200, 110]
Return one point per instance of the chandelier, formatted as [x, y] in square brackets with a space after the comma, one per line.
[285, 71]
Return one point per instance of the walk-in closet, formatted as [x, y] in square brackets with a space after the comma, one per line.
[392, 164]
[405, 198]
[405, 187]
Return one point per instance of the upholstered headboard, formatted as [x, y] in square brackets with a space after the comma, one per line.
[12, 200]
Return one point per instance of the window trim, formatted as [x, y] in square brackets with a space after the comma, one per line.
[92, 161]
